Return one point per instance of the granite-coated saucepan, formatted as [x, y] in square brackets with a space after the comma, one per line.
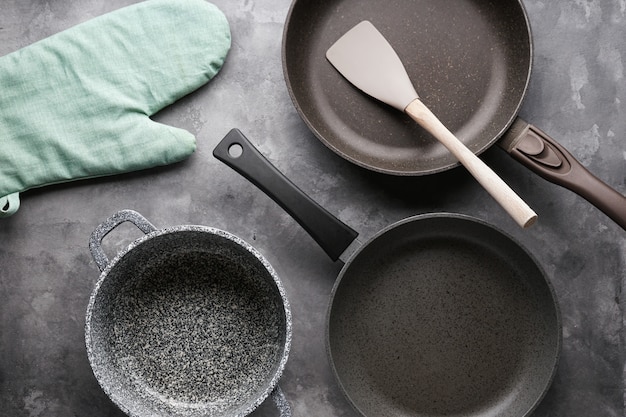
[436, 315]
[470, 61]
[187, 321]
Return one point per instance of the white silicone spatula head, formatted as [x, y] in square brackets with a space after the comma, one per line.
[368, 61]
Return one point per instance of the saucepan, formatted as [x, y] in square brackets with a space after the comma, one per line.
[435, 315]
[471, 63]
[187, 321]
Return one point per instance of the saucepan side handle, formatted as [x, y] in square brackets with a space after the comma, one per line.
[329, 232]
[546, 157]
[281, 402]
[95, 241]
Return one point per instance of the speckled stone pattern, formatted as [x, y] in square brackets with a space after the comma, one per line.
[95, 240]
[188, 322]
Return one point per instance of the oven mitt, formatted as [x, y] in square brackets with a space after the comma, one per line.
[78, 104]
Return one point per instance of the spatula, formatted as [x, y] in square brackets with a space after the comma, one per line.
[365, 58]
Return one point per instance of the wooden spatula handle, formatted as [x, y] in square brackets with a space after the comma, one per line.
[499, 190]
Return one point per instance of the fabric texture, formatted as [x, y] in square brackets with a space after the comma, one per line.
[78, 104]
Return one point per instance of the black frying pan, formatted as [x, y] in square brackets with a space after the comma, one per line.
[438, 315]
[470, 62]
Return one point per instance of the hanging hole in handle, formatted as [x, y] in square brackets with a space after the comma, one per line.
[235, 150]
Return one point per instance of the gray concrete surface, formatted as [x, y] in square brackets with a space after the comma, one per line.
[577, 94]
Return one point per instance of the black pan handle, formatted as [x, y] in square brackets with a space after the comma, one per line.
[546, 157]
[329, 232]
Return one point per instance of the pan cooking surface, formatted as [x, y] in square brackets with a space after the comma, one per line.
[439, 322]
[469, 62]
[190, 328]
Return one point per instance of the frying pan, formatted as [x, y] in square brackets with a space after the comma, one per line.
[436, 315]
[471, 63]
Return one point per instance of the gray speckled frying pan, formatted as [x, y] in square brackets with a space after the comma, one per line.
[471, 63]
[437, 315]
[188, 321]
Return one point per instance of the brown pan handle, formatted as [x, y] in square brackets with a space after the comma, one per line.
[543, 155]
[329, 232]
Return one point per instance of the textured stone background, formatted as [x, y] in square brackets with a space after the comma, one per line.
[577, 94]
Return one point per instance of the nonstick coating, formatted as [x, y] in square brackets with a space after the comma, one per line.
[470, 61]
[443, 316]
[190, 321]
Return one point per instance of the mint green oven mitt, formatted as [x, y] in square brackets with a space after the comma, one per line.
[78, 104]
